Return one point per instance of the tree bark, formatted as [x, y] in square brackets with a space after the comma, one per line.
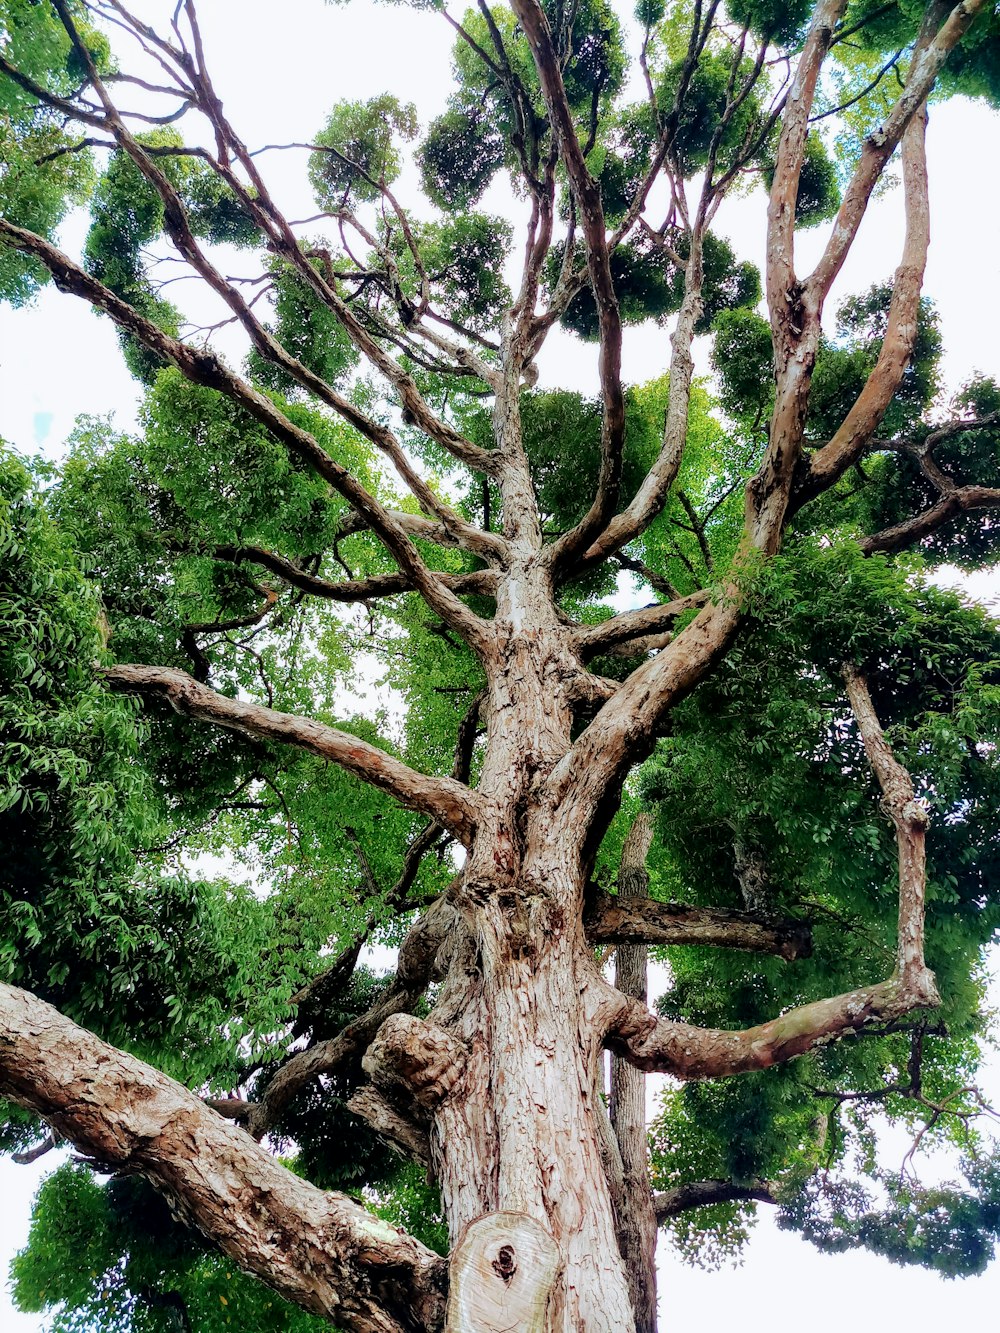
[318, 1249]
[636, 1220]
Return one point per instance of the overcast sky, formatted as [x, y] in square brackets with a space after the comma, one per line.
[279, 68]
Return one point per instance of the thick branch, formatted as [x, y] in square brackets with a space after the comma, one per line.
[317, 1248]
[652, 494]
[960, 500]
[624, 731]
[690, 1052]
[789, 159]
[929, 57]
[861, 422]
[910, 821]
[615, 919]
[450, 803]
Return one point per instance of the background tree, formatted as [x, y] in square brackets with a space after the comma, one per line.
[373, 480]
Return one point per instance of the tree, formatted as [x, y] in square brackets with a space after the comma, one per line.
[736, 772]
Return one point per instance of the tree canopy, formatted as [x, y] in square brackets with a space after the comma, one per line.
[777, 769]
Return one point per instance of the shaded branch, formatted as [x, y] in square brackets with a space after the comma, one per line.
[612, 919]
[699, 1193]
[621, 629]
[51, 1140]
[414, 969]
[956, 501]
[352, 590]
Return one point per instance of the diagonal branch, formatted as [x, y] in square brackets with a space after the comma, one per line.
[450, 803]
[318, 1248]
[276, 229]
[413, 972]
[630, 625]
[955, 501]
[930, 55]
[259, 204]
[863, 419]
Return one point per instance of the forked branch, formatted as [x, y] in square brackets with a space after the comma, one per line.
[204, 367]
[690, 1052]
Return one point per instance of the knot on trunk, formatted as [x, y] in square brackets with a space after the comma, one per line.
[416, 1055]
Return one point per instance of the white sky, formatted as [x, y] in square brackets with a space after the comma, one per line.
[278, 70]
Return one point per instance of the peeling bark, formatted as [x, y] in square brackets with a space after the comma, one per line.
[317, 1249]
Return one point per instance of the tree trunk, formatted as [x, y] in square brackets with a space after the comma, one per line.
[637, 1220]
[520, 1133]
[507, 1062]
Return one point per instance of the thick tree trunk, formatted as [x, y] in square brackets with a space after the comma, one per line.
[520, 1132]
[507, 1063]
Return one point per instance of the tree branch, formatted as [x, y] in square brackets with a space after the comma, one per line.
[932, 51]
[587, 195]
[414, 969]
[861, 422]
[690, 1052]
[592, 640]
[956, 501]
[699, 1193]
[636, 1223]
[613, 919]
[480, 581]
[317, 1248]
[203, 367]
[448, 802]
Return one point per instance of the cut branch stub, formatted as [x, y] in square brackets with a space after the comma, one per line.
[503, 1270]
